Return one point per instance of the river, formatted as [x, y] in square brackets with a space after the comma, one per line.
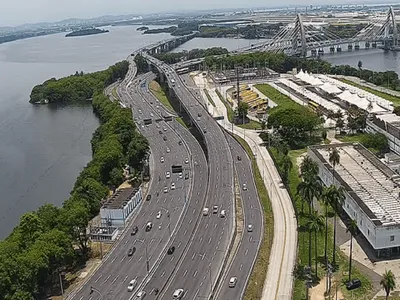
[44, 148]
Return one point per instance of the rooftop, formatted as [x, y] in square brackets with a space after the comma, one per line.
[376, 186]
[119, 199]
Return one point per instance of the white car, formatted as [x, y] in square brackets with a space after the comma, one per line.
[244, 187]
[158, 215]
[232, 282]
[151, 115]
[132, 285]
[178, 294]
[250, 228]
[167, 175]
[165, 190]
[222, 214]
[168, 150]
[172, 186]
[165, 129]
[140, 295]
[162, 159]
[180, 175]
[186, 160]
[205, 211]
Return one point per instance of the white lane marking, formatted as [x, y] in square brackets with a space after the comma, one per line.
[215, 225]
[184, 233]
[195, 273]
[172, 258]
[140, 258]
[206, 225]
[201, 283]
[245, 252]
[123, 259]
[190, 221]
[108, 277]
[81, 298]
[162, 274]
[180, 243]
[209, 240]
[113, 259]
[126, 277]
[131, 259]
[194, 254]
[98, 278]
[241, 266]
[194, 210]
[90, 298]
[201, 239]
[126, 242]
[115, 279]
[184, 273]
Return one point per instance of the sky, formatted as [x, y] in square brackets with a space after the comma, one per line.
[16, 12]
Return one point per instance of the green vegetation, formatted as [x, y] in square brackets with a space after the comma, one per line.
[376, 143]
[159, 93]
[209, 97]
[395, 100]
[84, 32]
[52, 239]
[251, 124]
[78, 87]
[141, 64]
[114, 93]
[180, 121]
[170, 29]
[175, 57]
[229, 110]
[257, 278]
[277, 97]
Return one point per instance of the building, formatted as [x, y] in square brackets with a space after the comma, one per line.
[389, 125]
[372, 193]
[119, 207]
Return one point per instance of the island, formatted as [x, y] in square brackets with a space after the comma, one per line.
[84, 32]
[143, 28]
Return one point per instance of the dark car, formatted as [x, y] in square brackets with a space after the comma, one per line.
[180, 143]
[171, 250]
[148, 198]
[135, 230]
[353, 284]
[164, 138]
[239, 158]
[131, 251]
[160, 132]
[186, 176]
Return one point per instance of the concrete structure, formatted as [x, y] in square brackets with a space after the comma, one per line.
[389, 125]
[119, 207]
[103, 234]
[372, 193]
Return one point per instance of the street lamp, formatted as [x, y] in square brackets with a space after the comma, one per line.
[203, 256]
[92, 289]
[308, 282]
[147, 257]
[60, 274]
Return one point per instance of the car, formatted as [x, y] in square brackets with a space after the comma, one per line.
[167, 174]
[165, 138]
[149, 226]
[186, 160]
[160, 132]
[140, 111]
[239, 158]
[165, 190]
[148, 197]
[222, 214]
[204, 130]
[132, 285]
[205, 211]
[158, 126]
[131, 251]
[171, 250]
[353, 284]
[281, 185]
[162, 159]
[168, 150]
[140, 295]
[158, 214]
[215, 209]
[199, 114]
[178, 294]
[180, 175]
[165, 129]
[186, 176]
[250, 228]
[134, 230]
[232, 282]
[151, 114]
[172, 186]
[180, 143]
[244, 187]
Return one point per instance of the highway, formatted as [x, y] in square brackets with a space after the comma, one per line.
[205, 256]
[112, 277]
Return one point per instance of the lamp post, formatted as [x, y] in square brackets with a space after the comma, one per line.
[209, 269]
[308, 280]
[92, 289]
[60, 274]
[169, 220]
[147, 257]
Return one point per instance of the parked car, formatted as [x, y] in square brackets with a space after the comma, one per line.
[148, 198]
[353, 284]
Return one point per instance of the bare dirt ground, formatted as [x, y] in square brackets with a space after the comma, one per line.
[317, 292]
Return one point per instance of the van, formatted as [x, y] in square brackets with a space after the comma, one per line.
[205, 211]
[132, 285]
[178, 294]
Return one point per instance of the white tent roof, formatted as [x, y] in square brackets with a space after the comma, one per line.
[330, 88]
[362, 103]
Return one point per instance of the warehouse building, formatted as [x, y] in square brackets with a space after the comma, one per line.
[389, 125]
[372, 193]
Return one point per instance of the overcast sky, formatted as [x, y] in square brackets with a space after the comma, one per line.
[15, 12]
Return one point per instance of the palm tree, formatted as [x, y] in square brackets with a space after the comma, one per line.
[336, 200]
[352, 228]
[388, 282]
[308, 167]
[315, 224]
[334, 159]
[326, 200]
[263, 125]
[286, 167]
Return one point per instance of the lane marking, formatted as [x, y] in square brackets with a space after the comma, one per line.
[195, 273]
[108, 277]
[184, 273]
[115, 279]
[98, 278]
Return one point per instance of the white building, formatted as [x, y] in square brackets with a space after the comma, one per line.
[118, 208]
[389, 125]
[372, 193]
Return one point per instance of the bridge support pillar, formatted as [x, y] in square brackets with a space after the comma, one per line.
[357, 46]
[350, 47]
[367, 45]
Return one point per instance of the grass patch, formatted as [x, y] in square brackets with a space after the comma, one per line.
[251, 125]
[259, 273]
[180, 121]
[394, 99]
[277, 97]
[229, 109]
[209, 97]
[159, 93]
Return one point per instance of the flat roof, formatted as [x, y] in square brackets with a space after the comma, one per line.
[392, 119]
[375, 185]
[119, 198]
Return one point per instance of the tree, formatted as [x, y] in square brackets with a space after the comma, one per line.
[352, 228]
[286, 166]
[334, 159]
[388, 282]
[308, 167]
[30, 227]
[242, 109]
[360, 64]
[263, 125]
[315, 224]
[325, 197]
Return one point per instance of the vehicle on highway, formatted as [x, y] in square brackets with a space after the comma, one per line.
[186, 161]
[250, 228]
[162, 159]
[140, 295]
[187, 176]
[178, 294]
[172, 186]
[149, 226]
[132, 285]
[281, 185]
[148, 197]
[140, 111]
[204, 130]
[165, 129]
[134, 230]
[239, 158]
[151, 114]
[199, 114]
[171, 250]
[180, 175]
[167, 175]
[158, 214]
[168, 150]
[165, 138]
[232, 282]
[244, 187]
[131, 251]
[160, 132]
[222, 214]
[205, 211]
[215, 209]
[180, 143]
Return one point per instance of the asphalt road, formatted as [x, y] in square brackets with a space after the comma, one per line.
[246, 254]
[207, 251]
[113, 276]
